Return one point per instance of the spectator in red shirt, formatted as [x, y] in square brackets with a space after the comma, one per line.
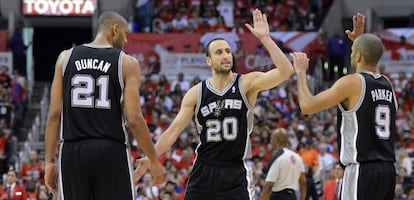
[187, 159]
[398, 51]
[4, 136]
[14, 191]
[32, 170]
[153, 61]
[317, 53]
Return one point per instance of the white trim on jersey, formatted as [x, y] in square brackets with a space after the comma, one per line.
[250, 107]
[223, 92]
[121, 84]
[120, 70]
[249, 178]
[131, 170]
[248, 147]
[350, 179]
[393, 92]
[349, 129]
[65, 63]
[199, 127]
[60, 194]
[197, 107]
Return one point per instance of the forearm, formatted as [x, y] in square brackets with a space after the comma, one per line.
[141, 134]
[51, 136]
[305, 96]
[165, 142]
[278, 57]
[302, 185]
[303, 192]
[267, 191]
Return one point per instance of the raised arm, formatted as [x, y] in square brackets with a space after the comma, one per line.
[259, 81]
[132, 78]
[358, 21]
[336, 94]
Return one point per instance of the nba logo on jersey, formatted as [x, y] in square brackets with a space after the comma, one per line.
[233, 89]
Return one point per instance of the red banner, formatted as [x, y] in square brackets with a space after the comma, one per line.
[4, 38]
[248, 52]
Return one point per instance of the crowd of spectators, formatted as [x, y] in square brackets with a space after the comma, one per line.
[19, 176]
[172, 16]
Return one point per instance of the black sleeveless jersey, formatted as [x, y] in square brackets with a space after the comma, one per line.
[367, 132]
[224, 121]
[92, 95]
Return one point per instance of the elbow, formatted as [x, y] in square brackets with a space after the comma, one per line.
[288, 72]
[291, 71]
[53, 115]
[306, 109]
[136, 122]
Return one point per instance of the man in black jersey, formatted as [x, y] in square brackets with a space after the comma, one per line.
[222, 110]
[366, 117]
[94, 94]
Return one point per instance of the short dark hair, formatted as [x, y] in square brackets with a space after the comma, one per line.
[209, 43]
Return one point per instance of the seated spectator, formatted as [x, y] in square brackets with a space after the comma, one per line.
[42, 193]
[163, 83]
[5, 133]
[179, 23]
[153, 64]
[6, 106]
[32, 170]
[5, 79]
[220, 27]
[185, 85]
[13, 190]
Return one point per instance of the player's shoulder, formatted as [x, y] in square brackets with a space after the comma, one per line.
[193, 91]
[350, 80]
[64, 55]
[129, 60]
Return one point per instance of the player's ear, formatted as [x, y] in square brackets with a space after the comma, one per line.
[208, 60]
[114, 29]
[358, 56]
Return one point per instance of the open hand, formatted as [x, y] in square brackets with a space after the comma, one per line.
[358, 22]
[260, 26]
[142, 168]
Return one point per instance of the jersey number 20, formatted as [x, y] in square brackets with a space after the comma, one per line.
[221, 130]
[83, 92]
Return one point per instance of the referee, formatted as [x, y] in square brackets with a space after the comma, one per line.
[286, 171]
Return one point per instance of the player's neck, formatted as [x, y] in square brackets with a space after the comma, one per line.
[220, 81]
[100, 40]
[371, 69]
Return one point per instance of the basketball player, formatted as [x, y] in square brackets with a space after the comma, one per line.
[222, 110]
[286, 172]
[366, 117]
[94, 86]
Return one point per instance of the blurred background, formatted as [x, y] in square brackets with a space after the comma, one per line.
[168, 38]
